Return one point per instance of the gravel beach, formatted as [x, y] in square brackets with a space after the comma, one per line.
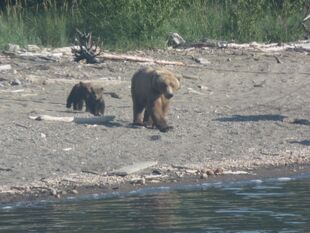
[241, 111]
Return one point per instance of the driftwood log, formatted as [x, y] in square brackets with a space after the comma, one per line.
[122, 57]
[78, 120]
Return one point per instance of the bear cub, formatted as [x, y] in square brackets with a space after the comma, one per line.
[151, 90]
[92, 96]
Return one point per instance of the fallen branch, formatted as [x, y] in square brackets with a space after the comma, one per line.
[185, 76]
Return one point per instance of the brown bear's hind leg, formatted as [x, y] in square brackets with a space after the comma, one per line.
[138, 114]
[147, 120]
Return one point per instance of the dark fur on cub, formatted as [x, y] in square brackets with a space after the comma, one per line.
[151, 90]
[92, 96]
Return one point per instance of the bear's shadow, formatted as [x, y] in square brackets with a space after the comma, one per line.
[303, 142]
[107, 121]
[255, 118]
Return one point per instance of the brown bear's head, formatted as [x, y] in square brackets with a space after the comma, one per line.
[166, 83]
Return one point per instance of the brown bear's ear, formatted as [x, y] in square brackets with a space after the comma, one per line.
[100, 91]
[178, 77]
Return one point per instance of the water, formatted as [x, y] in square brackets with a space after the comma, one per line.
[277, 205]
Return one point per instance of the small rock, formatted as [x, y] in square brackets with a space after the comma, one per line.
[252, 149]
[210, 173]
[190, 171]
[203, 176]
[201, 60]
[140, 181]
[67, 149]
[155, 181]
[53, 192]
[74, 191]
[114, 95]
[130, 169]
[156, 172]
[203, 87]
[218, 171]
[33, 48]
[155, 137]
[5, 67]
[15, 82]
[63, 192]
[179, 174]
[175, 40]
[13, 48]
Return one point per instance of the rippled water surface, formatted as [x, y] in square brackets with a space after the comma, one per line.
[278, 205]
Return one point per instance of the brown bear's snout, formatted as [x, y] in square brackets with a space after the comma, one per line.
[168, 95]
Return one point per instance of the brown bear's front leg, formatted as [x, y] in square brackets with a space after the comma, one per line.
[155, 109]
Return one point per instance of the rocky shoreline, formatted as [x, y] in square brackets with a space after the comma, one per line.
[92, 184]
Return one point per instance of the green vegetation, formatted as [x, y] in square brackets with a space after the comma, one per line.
[128, 24]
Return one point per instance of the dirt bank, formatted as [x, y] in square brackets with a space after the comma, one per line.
[242, 110]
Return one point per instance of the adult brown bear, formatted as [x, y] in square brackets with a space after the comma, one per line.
[151, 90]
[92, 96]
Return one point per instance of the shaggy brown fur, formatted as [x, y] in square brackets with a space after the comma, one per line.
[151, 90]
[92, 96]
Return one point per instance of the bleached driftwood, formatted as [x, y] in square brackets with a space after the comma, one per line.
[51, 118]
[299, 46]
[78, 120]
[122, 57]
[40, 79]
[12, 91]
